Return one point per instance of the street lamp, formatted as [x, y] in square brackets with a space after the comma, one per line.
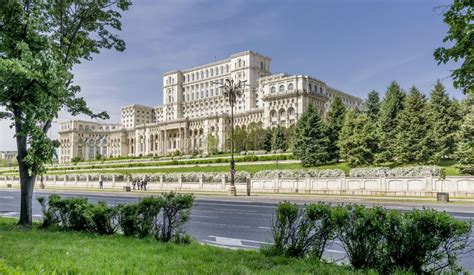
[232, 90]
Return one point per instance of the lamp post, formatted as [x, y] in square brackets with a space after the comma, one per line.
[232, 90]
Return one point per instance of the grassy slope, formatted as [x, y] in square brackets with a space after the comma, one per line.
[39, 250]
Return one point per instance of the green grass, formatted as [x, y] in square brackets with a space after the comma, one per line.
[37, 251]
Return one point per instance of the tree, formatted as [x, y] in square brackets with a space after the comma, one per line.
[390, 107]
[465, 147]
[240, 139]
[311, 143]
[335, 121]
[40, 42]
[279, 141]
[373, 105]
[212, 144]
[444, 120]
[267, 140]
[254, 136]
[358, 141]
[413, 143]
[460, 18]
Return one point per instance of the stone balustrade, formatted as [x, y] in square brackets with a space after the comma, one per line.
[459, 186]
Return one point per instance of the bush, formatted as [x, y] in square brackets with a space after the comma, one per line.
[300, 173]
[467, 170]
[148, 211]
[104, 219]
[128, 219]
[361, 232]
[175, 213]
[413, 171]
[301, 232]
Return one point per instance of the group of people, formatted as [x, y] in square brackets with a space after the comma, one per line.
[140, 184]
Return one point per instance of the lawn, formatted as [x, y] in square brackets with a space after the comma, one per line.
[43, 251]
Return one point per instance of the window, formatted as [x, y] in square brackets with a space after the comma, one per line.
[290, 87]
[202, 75]
[310, 87]
[207, 73]
[227, 68]
[240, 63]
[261, 65]
[217, 71]
[281, 88]
[272, 89]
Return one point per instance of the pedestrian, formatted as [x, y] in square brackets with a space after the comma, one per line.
[145, 183]
[134, 183]
[140, 182]
[101, 184]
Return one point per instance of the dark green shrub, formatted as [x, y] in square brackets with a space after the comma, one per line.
[148, 211]
[299, 232]
[467, 170]
[361, 232]
[128, 218]
[175, 212]
[425, 241]
[50, 212]
[104, 219]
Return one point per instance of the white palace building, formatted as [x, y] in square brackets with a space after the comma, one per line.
[194, 108]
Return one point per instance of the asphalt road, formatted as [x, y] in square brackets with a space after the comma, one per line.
[231, 223]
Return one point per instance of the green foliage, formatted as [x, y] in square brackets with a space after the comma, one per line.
[267, 139]
[465, 148]
[279, 140]
[212, 144]
[413, 140]
[311, 142]
[390, 107]
[459, 18]
[358, 141]
[162, 217]
[361, 230]
[443, 116]
[255, 134]
[176, 210]
[76, 159]
[301, 232]
[373, 105]
[334, 126]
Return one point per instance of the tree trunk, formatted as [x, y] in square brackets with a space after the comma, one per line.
[27, 181]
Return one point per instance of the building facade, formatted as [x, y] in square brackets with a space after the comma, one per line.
[194, 109]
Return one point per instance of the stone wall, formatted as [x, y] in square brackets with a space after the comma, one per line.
[462, 186]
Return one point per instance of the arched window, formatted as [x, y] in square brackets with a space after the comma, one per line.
[310, 87]
[240, 63]
[281, 88]
[217, 71]
[290, 87]
[227, 68]
[272, 89]
[202, 75]
[222, 70]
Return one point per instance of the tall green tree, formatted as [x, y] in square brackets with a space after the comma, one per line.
[212, 144]
[390, 107]
[311, 143]
[413, 143]
[279, 140]
[444, 120]
[334, 123]
[465, 146]
[460, 20]
[373, 105]
[254, 136]
[267, 139]
[358, 141]
[40, 42]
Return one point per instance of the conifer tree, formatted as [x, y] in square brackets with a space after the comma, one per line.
[444, 122]
[267, 139]
[358, 139]
[279, 139]
[390, 107]
[335, 121]
[373, 105]
[413, 143]
[465, 147]
[311, 142]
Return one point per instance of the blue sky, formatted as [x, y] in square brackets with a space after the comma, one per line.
[354, 45]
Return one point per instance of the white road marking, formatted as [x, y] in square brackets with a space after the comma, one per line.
[9, 214]
[265, 227]
[208, 217]
[37, 215]
[335, 251]
[239, 240]
[7, 197]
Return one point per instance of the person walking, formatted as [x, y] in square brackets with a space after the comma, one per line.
[145, 182]
[101, 184]
[134, 183]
